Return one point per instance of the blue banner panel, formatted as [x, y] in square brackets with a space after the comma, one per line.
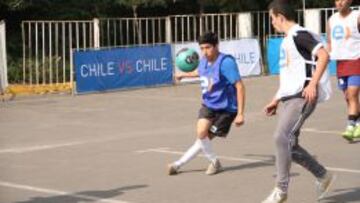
[118, 68]
[332, 67]
[273, 52]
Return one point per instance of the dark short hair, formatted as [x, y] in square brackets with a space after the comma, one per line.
[283, 7]
[209, 38]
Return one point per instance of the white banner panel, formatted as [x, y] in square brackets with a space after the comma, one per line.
[313, 20]
[245, 51]
[3, 61]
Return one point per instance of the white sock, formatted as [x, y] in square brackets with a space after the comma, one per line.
[189, 154]
[207, 149]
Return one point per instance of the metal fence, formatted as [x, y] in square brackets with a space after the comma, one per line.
[130, 31]
[172, 29]
[47, 44]
[181, 28]
[47, 47]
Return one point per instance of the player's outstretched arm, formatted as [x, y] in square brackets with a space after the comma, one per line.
[240, 89]
[328, 34]
[180, 75]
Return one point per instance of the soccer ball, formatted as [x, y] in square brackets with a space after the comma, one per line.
[187, 60]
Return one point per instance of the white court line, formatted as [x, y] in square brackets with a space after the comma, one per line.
[57, 192]
[54, 146]
[39, 148]
[123, 95]
[166, 150]
[321, 131]
[170, 98]
[146, 132]
[136, 134]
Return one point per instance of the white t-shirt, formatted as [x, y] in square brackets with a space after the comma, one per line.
[297, 64]
[345, 36]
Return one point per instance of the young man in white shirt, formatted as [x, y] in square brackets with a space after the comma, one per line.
[344, 45]
[303, 82]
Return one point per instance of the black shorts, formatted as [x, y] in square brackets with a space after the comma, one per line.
[221, 120]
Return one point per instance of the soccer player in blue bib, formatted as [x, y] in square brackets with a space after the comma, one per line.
[223, 100]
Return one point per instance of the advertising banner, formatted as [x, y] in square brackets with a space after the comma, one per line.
[121, 68]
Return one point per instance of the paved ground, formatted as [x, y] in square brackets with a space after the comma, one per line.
[114, 147]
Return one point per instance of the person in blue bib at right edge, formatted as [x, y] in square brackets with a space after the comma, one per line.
[343, 33]
[304, 82]
[223, 100]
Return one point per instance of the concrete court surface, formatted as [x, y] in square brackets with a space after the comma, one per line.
[114, 147]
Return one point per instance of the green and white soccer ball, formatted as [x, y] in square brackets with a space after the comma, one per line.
[187, 60]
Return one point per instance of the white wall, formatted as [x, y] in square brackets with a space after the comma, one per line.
[3, 60]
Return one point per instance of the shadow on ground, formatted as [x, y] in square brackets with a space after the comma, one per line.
[86, 196]
[343, 196]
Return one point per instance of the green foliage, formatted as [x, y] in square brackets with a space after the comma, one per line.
[237, 5]
[149, 3]
[88, 9]
[14, 69]
[14, 4]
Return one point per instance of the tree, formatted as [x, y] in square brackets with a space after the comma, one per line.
[239, 5]
[15, 4]
[134, 4]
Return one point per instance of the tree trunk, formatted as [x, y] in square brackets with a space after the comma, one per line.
[137, 30]
[201, 5]
[201, 11]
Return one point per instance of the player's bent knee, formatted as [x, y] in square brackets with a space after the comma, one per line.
[203, 135]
